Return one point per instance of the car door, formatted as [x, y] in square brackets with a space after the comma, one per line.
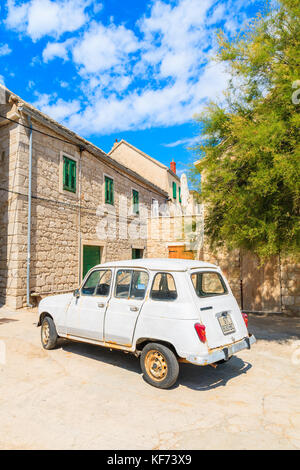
[86, 313]
[125, 305]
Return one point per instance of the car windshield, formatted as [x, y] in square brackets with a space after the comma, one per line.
[207, 284]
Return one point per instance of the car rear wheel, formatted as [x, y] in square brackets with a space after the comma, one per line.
[159, 365]
[48, 334]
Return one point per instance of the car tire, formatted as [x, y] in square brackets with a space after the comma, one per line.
[159, 365]
[48, 334]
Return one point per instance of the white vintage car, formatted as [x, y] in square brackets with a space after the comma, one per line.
[164, 311]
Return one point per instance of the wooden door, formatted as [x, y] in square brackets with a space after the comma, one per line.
[179, 251]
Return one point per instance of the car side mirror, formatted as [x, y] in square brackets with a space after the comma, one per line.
[76, 293]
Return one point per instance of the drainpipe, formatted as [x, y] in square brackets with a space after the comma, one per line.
[29, 216]
[81, 149]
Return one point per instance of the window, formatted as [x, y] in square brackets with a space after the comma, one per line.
[179, 194]
[109, 190]
[131, 284]
[163, 287]
[123, 284]
[139, 285]
[69, 175]
[135, 202]
[137, 253]
[98, 283]
[174, 190]
[207, 284]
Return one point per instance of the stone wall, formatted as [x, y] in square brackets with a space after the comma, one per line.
[59, 226]
[10, 203]
[290, 285]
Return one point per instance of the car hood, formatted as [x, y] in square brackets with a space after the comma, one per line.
[59, 301]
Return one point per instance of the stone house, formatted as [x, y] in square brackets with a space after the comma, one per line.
[148, 167]
[167, 228]
[78, 207]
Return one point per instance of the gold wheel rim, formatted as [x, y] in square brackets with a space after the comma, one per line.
[156, 365]
[45, 332]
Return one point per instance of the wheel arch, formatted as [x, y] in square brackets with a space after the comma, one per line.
[142, 342]
[42, 316]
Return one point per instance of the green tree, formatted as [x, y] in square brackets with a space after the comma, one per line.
[250, 153]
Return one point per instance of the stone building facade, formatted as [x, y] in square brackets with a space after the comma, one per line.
[64, 223]
[148, 167]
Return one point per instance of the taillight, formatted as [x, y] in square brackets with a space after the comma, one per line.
[245, 317]
[200, 329]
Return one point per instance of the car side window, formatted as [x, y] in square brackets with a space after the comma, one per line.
[163, 287]
[123, 281]
[131, 284]
[139, 285]
[98, 283]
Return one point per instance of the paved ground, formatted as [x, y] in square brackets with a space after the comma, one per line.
[80, 396]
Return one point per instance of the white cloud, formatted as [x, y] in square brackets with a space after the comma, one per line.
[56, 50]
[5, 50]
[170, 105]
[38, 18]
[156, 73]
[187, 142]
[58, 109]
[175, 38]
[103, 48]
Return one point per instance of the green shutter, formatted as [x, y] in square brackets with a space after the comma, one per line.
[174, 191]
[135, 201]
[69, 175]
[109, 190]
[91, 257]
[179, 193]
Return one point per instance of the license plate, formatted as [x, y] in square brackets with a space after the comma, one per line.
[226, 323]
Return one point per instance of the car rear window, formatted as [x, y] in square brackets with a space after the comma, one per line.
[207, 284]
[163, 287]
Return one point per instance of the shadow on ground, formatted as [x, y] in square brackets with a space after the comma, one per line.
[274, 327]
[208, 378]
[194, 377]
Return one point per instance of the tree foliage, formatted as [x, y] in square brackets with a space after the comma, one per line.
[250, 152]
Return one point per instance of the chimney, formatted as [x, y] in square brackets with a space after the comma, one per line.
[173, 166]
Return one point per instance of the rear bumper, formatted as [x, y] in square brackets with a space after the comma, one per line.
[222, 353]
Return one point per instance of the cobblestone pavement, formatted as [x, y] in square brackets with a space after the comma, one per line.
[85, 397]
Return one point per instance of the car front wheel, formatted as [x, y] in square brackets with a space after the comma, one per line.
[159, 365]
[48, 334]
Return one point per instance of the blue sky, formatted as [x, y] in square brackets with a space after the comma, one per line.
[113, 69]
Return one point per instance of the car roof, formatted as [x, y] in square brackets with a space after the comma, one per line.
[159, 264]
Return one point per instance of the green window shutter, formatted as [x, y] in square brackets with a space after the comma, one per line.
[73, 176]
[109, 190]
[135, 201]
[69, 174]
[112, 198]
[179, 193]
[174, 190]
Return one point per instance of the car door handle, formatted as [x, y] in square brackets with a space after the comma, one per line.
[133, 308]
[101, 305]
